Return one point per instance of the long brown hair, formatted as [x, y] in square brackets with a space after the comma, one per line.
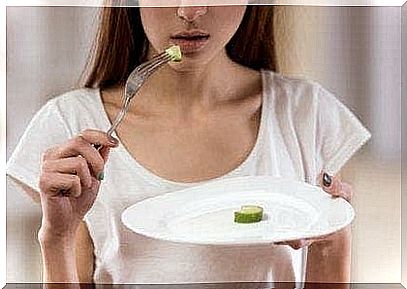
[121, 44]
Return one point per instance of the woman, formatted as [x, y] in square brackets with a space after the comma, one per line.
[219, 113]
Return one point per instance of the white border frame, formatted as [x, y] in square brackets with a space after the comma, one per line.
[98, 3]
[157, 3]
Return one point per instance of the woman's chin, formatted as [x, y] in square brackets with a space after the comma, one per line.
[189, 65]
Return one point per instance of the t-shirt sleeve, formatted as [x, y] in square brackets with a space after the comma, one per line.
[46, 129]
[339, 133]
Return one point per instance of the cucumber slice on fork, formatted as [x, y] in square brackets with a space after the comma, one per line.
[175, 53]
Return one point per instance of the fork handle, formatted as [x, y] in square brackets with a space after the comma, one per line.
[120, 116]
[117, 121]
[148, 68]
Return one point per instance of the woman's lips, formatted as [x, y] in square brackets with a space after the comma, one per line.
[190, 45]
[190, 41]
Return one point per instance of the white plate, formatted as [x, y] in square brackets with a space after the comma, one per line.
[205, 214]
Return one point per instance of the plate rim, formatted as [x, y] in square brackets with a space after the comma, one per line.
[350, 215]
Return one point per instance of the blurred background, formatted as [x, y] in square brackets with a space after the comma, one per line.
[353, 51]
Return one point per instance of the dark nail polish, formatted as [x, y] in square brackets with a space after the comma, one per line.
[326, 180]
[113, 141]
[101, 176]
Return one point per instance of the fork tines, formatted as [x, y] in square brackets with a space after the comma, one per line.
[156, 61]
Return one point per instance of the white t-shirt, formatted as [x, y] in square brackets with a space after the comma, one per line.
[304, 129]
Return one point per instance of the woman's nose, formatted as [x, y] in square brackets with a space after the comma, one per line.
[191, 13]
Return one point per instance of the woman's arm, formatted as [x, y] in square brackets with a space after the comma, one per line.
[329, 261]
[329, 257]
[69, 262]
[84, 254]
[75, 261]
[59, 261]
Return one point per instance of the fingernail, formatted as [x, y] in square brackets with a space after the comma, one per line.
[113, 141]
[326, 180]
[101, 176]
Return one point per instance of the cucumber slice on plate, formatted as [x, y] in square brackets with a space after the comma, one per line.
[249, 214]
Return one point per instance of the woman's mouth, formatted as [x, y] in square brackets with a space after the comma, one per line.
[190, 41]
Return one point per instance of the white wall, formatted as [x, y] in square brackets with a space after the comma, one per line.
[355, 52]
[46, 51]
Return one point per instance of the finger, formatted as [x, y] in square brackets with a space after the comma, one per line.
[296, 244]
[280, 243]
[337, 188]
[299, 243]
[79, 147]
[329, 184]
[104, 153]
[74, 165]
[91, 137]
[346, 192]
[99, 138]
[59, 185]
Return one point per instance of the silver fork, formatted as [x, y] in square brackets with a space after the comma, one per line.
[136, 79]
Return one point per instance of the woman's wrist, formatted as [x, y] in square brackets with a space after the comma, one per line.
[57, 245]
[52, 240]
[59, 259]
[329, 260]
[56, 250]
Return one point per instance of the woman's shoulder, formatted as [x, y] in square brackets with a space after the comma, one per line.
[296, 86]
[76, 98]
[296, 91]
[78, 109]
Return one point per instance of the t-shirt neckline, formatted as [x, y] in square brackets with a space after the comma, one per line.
[156, 179]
